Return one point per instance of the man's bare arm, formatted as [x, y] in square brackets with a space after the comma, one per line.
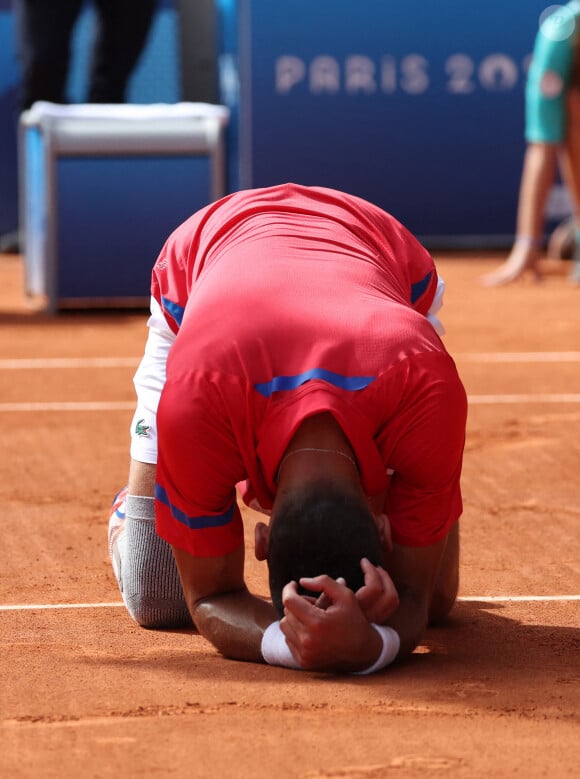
[414, 571]
[234, 620]
[222, 608]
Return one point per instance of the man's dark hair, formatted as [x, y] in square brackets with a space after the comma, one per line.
[321, 529]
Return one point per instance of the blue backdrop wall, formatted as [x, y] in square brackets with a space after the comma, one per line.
[9, 80]
[418, 106]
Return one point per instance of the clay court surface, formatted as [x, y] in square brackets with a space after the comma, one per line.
[86, 693]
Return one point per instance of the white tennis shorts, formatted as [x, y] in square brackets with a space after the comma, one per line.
[149, 380]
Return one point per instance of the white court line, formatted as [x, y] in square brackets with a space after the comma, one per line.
[125, 405]
[518, 357]
[68, 362]
[518, 598]
[467, 599]
[562, 397]
[52, 606]
[70, 406]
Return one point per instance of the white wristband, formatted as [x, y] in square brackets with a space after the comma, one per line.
[275, 650]
[391, 646]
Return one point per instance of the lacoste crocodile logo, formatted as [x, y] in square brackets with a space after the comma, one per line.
[141, 429]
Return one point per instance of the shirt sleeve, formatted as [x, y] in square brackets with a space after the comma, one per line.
[413, 271]
[424, 495]
[412, 266]
[179, 264]
[423, 278]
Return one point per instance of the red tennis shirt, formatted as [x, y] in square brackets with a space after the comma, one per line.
[287, 302]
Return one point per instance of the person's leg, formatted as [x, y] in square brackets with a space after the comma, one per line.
[562, 241]
[44, 32]
[121, 36]
[142, 562]
[447, 584]
[571, 171]
[575, 272]
[537, 177]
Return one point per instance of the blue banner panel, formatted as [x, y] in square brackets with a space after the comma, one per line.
[9, 85]
[418, 107]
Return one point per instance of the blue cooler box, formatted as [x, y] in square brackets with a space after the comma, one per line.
[102, 187]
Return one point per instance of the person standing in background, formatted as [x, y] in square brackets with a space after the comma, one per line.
[45, 33]
[552, 135]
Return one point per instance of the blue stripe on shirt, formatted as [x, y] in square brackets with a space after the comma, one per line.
[174, 309]
[419, 287]
[282, 383]
[195, 523]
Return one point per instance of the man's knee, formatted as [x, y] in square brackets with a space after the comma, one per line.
[145, 568]
[155, 614]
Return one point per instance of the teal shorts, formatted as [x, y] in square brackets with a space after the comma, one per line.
[550, 74]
